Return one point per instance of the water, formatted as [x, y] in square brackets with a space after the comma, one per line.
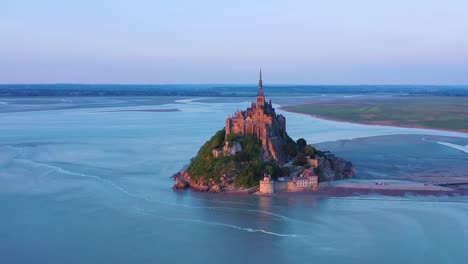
[79, 184]
[407, 157]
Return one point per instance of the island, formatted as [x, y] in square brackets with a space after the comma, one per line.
[254, 154]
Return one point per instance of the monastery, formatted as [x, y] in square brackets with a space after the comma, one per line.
[261, 120]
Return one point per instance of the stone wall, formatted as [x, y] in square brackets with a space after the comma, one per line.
[281, 186]
[292, 187]
[267, 187]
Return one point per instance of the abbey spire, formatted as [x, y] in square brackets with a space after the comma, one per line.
[260, 84]
[260, 95]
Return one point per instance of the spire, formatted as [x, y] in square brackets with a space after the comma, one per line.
[260, 84]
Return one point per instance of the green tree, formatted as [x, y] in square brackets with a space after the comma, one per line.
[269, 169]
[290, 149]
[231, 137]
[301, 144]
[309, 151]
[285, 171]
[217, 140]
[300, 160]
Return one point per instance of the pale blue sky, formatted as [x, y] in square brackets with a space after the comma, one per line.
[214, 41]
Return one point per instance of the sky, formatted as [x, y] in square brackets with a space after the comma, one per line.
[225, 42]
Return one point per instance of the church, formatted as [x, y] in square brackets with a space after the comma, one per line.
[260, 120]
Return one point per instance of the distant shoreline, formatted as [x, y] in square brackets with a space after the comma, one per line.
[223, 90]
[142, 110]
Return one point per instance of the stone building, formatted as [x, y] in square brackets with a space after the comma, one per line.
[260, 120]
[313, 162]
[267, 185]
[306, 181]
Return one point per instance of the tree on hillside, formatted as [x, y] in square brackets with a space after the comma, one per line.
[301, 143]
[309, 151]
[231, 137]
[300, 160]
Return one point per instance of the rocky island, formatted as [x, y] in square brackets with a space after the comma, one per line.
[253, 153]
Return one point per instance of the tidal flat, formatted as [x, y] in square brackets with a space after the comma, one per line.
[404, 157]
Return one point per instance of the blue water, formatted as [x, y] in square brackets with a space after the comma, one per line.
[80, 184]
[407, 157]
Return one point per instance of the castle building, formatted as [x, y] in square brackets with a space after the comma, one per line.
[260, 120]
[267, 185]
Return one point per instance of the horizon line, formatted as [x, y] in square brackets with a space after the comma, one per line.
[235, 84]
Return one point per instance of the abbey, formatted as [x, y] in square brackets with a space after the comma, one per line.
[254, 145]
[261, 120]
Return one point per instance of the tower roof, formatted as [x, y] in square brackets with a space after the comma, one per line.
[260, 85]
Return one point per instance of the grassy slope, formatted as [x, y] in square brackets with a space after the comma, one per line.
[450, 113]
[245, 168]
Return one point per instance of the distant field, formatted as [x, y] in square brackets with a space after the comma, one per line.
[439, 112]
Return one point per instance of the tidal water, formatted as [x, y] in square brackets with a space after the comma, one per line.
[405, 157]
[83, 183]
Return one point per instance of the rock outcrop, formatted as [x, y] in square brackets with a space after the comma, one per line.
[183, 181]
[334, 168]
[180, 183]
